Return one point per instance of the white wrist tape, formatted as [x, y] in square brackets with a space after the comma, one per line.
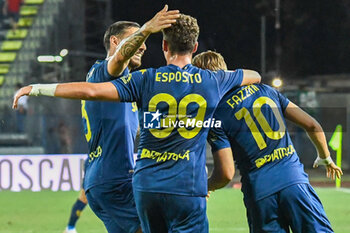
[43, 89]
[325, 161]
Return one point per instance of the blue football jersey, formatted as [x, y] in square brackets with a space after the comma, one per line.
[110, 130]
[175, 112]
[254, 127]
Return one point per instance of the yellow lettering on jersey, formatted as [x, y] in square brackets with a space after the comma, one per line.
[242, 95]
[134, 106]
[126, 79]
[158, 77]
[276, 154]
[86, 117]
[95, 154]
[164, 156]
[143, 71]
[178, 77]
[185, 77]
[165, 77]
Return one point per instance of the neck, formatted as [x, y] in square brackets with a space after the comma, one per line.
[179, 60]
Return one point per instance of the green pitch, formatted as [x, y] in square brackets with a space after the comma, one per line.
[48, 212]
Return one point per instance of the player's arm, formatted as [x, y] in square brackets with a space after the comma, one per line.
[224, 168]
[223, 171]
[76, 90]
[250, 77]
[317, 136]
[128, 47]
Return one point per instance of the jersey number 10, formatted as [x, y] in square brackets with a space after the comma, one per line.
[264, 124]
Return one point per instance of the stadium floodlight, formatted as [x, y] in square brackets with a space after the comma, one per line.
[46, 58]
[49, 58]
[64, 52]
[58, 58]
[277, 82]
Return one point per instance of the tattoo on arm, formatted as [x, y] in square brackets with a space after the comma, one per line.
[132, 44]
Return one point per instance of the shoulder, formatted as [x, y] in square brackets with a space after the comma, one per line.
[268, 89]
[96, 69]
[142, 73]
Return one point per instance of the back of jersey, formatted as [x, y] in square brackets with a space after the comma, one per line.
[253, 121]
[176, 107]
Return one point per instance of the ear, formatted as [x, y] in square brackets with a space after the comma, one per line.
[195, 47]
[165, 46]
[113, 40]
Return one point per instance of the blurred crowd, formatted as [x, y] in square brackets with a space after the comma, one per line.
[9, 14]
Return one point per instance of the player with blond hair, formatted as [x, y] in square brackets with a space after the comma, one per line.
[176, 103]
[277, 193]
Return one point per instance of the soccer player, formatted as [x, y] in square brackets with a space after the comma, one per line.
[110, 164]
[277, 193]
[176, 103]
[77, 208]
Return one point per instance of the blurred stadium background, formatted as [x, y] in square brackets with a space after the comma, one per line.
[305, 44]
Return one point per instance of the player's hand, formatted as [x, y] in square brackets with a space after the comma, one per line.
[21, 92]
[208, 195]
[163, 19]
[333, 170]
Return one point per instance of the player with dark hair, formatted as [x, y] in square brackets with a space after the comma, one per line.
[277, 193]
[176, 103]
[110, 164]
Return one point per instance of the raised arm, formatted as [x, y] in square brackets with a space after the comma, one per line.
[317, 136]
[104, 91]
[250, 77]
[224, 169]
[76, 90]
[128, 47]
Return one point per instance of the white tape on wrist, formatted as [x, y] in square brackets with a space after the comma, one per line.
[325, 161]
[43, 89]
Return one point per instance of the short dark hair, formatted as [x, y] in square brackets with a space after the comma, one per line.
[182, 35]
[117, 29]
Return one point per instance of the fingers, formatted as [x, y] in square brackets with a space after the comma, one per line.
[167, 20]
[334, 171]
[166, 26]
[337, 170]
[208, 195]
[161, 20]
[339, 173]
[166, 12]
[172, 12]
[331, 173]
[165, 8]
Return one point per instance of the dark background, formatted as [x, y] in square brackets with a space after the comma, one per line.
[314, 34]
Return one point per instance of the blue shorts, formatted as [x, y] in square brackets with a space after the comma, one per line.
[297, 207]
[114, 204]
[162, 213]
